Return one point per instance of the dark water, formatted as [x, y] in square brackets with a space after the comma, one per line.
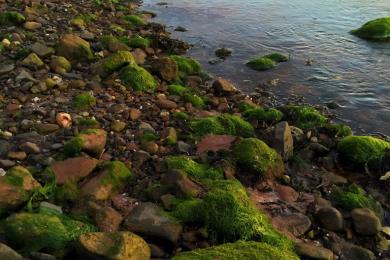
[347, 70]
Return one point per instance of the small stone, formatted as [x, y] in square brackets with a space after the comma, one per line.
[166, 104]
[45, 129]
[7, 164]
[30, 148]
[146, 127]
[330, 218]
[223, 86]
[118, 126]
[33, 61]
[150, 147]
[108, 219]
[32, 26]
[365, 221]
[135, 114]
[223, 53]
[6, 68]
[60, 65]
[20, 156]
[183, 147]
[64, 120]
[41, 50]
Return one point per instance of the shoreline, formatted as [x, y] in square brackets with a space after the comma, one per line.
[110, 138]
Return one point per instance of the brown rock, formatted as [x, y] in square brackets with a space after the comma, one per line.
[223, 86]
[215, 143]
[166, 104]
[30, 148]
[73, 169]
[167, 68]
[32, 26]
[64, 120]
[74, 48]
[313, 251]
[45, 129]
[286, 193]
[94, 141]
[139, 56]
[330, 218]
[365, 221]
[20, 156]
[180, 184]
[108, 219]
[135, 114]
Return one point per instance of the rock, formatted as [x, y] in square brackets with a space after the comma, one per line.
[7, 253]
[45, 129]
[313, 251]
[146, 127]
[4, 147]
[73, 47]
[64, 120]
[25, 76]
[139, 56]
[30, 148]
[118, 126]
[169, 135]
[73, 169]
[223, 53]
[6, 67]
[330, 218]
[33, 61]
[351, 251]
[378, 29]
[150, 147]
[295, 223]
[286, 193]
[114, 62]
[6, 164]
[283, 140]
[183, 147]
[20, 156]
[116, 245]
[223, 86]
[41, 50]
[215, 143]
[32, 26]
[60, 65]
[166, 104]
[150, 220]
[181, 185]
[94, 141]
[15, 188]
[108, 219]
[135, 114]
[365, 221]
[167, 68]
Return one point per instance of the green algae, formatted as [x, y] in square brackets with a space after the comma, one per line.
[221, 124]
[306, 117]
[116, 61]
[277, 57]
[187, 66]
[177, 90]
[240, 250]
[84, 100]
[69, 192]
[88, 123]
[261, 64]
[268, 115]
[194, 99]
[135, 20]
[362, 149]
[378, 29]
[117, 174]
[338, 130]
[74, 146]
[138, 78]
[11, 18]
[256, 155]
[136, 42]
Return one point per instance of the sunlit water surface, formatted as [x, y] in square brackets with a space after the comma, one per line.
[345, 69]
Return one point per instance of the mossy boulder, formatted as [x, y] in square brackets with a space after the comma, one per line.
[135, 20]
[268, 115]
[60, 65]
[91, 141]
[47, 230]
[257, 156]
[187, 94]
[116, 245]
[378, 29]
[187, 66]
[84, 100]
[221, 124]
[16, 187]
[137, 42]
[138, 78]
[111, 178]
[115, 62]
[305, 117]
[261, 64]
[239, 250]
[337, 130]
[362, 149]
[277, 57]
[11, 18]
[73, 47]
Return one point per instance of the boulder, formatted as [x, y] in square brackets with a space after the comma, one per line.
[313, 251]
[221, 85]
[73, 169]
[283, 140]
[167, 68]
[330, 218]
[73, 47]
[365, 221]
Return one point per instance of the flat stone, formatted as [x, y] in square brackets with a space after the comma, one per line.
[41, 50]
[45, 129]
[313, 251]
[73, 169]
[30, 148]
[6, 68]
[295, 223]
[365, 221]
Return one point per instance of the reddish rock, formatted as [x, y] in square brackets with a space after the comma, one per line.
[223, 86]
[286, 193]
[215, 143]
[73, 169]
[108, 219]
[166, 104]
[94, 141]
[135, 114]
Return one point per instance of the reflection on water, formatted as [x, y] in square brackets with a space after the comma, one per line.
[350, 71]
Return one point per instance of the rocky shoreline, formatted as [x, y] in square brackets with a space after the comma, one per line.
[115, 146]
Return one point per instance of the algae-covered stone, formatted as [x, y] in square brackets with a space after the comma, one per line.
[239, 250]
[261, 64]
[11, 18]
[112, 177]
[60, 65]
[138, 78]
[362, 149]
[306, 117]
[277, 57]
[138, 42]
[73, 47]
[91, 141]
[16, 187]
[187, 66]
[135, 20]
[222, 124]
[115, 62]
[84, 100]
[378, 29]
[33, 61]
[256, 155]
[35, 231]
[116, 246]
[268, 115]
[167, 68]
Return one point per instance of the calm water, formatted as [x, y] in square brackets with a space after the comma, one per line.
[350, 71]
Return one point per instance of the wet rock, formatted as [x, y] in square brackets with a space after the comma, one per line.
[74, 48]
[116, 245]
[150, 220]
[283, 140]
[32, 26]
[313, 251]
[351, 251]
[33, 61]
[41, 50]
[223, 86]
[45, 129]
[20, 156]
[73, 169]
[30, 148]
[167, 68]
[223, 53]
[7, 253]
[181, 185]
[365, 221]
[108, 219]
[150, 147]
[330, 218]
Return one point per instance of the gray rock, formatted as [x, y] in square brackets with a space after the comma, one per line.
[352, 252]
[365, 221]
[30, 148]
[41, 50]
[148, 219]
[7, 253]
[283, 140]
[183, 147]
[6, 68]
[146, 127]
[330, 218]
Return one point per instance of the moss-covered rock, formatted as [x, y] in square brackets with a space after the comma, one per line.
[378, 29]
[268, 115]
[239, 250]
[222, 124]
[256, 155]
[305, 117]
[11, 18]
[261, 64]
[36, 231]
[91, 141]
[177, 90]
[137, 42]
[84, 100]
[277, 57]
[60, 65]
[135, 20]
[362, 149]
[73, 47]
[337, 130]
[138, 78]
[194, 99]
[193, 169]
[187, 66]
[115, 62]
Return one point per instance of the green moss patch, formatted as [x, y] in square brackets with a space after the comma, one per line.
[306, 117]
[239, 250]
[74, 146]
[378, 29]
[187, 66]
[116, 61]
[277, 57]
[135, 20]
[11, 18]
[362, 149]
[256, 155]
[268, 115]
[338, 130]
[187, 94]
[84, 100]
[222, 124]
[138, 78]
[117, 174]
[136, 42]
[261, 64]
